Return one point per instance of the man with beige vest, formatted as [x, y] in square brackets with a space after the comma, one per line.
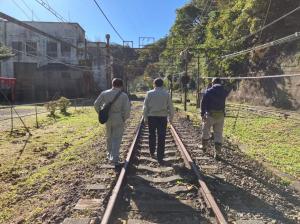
[157, 107]
[118, 114]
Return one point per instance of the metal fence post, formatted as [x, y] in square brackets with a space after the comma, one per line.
[11, 118]
[36, 117]
[75, 104]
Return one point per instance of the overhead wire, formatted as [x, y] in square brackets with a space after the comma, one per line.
[51, 10]
[253, 77]
[55, 60]
[31, 10]
[28, 17]
[270, 24]
[107, 19]
[266, 45]
[206, 9]
[266, 17]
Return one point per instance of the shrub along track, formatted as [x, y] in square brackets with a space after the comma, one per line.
[245, 190]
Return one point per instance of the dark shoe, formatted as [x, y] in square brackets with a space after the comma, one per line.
[218, 146]
[152, 155]
[118, 167]
[161, 162]
[217, 150]
[204, 144]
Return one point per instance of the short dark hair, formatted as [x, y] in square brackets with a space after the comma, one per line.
[216, 81]
[117, 82]
[158, 82]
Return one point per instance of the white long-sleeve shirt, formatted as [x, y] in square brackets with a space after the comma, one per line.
[120, 106]
[158, 103]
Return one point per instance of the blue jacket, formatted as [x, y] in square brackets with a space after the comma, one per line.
[214, 99]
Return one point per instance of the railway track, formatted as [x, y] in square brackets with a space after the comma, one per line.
[145, 192]
[172, 193]
[246, 191]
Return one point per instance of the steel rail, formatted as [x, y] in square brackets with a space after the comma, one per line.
[203, 187]
[113, 198]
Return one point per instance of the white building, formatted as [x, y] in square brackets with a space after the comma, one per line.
[45, 67]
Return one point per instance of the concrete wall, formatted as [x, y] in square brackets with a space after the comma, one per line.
[278, 92]
[98, 59]
[49, 82]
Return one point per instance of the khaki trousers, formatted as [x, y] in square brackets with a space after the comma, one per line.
[114, 133]
[217, 123]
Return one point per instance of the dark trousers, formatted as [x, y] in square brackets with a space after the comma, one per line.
[159, 125]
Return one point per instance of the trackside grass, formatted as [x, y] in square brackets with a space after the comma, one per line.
[40, 173]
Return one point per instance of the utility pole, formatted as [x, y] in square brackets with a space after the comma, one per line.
[108, 66]
[198, 82]
[185, 78]
[185, 84]
[148, 40]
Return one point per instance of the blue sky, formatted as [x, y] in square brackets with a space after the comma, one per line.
[132, 18]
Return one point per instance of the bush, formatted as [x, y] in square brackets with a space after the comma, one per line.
[133, 97]
[63, 103]
[177, 101]
[51, 107]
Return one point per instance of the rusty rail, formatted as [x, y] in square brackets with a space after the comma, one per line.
[113, 198]
[203, 187]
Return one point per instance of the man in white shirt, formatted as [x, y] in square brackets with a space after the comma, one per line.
[118, 114]
[158, 106]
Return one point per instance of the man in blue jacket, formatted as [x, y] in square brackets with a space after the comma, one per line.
[212, 114]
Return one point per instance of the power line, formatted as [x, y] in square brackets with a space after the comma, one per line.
[266, 45]
[206, 8]
[108, 20]
[51, 10]
[34, 29]
[31, 10]
[28, 17]
[55, 60]
[270, 24]
[266, 17]
[253, 77]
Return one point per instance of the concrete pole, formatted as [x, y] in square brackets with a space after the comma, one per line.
[108, 66]
[198, 83]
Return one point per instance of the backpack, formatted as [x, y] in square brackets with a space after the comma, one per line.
[103, 113]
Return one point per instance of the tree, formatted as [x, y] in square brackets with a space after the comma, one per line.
[5, 53]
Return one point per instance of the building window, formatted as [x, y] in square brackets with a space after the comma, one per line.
[65, 75]
[31, 48]
[65, 50]
[52, 49]
[17, 47]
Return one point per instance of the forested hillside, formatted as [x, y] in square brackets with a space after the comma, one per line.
[212, 29]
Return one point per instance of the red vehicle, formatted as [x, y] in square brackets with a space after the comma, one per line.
[8, 88]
